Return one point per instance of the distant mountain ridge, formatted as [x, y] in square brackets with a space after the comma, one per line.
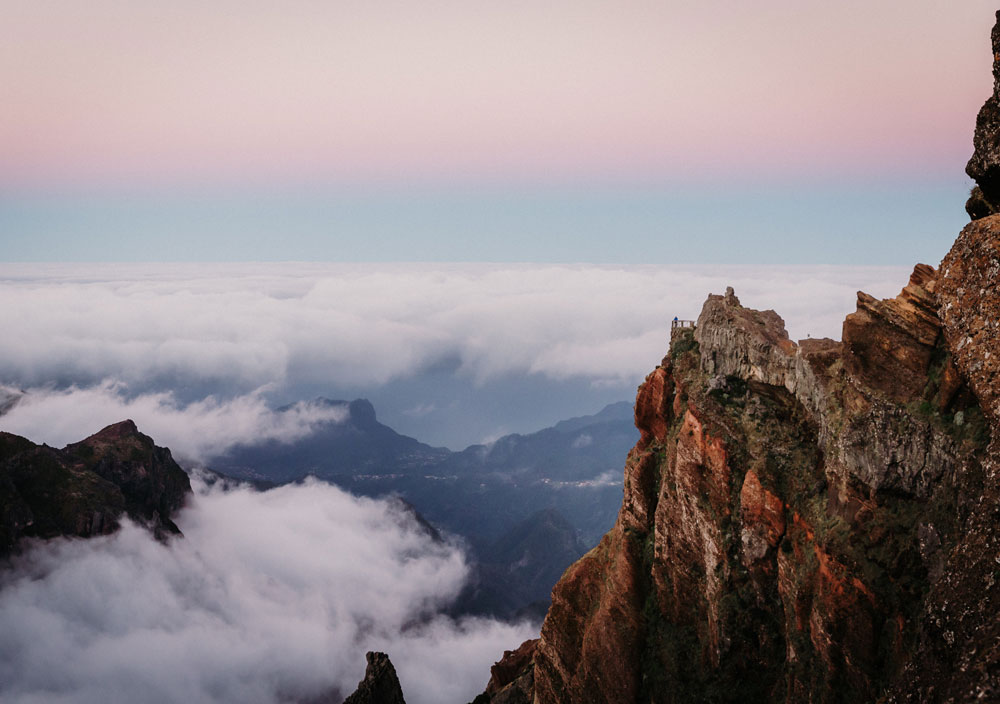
[368, 457]
[612, 413]
[559, 482]
[357, 446]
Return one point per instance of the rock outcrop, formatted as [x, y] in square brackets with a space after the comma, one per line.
[85, 488]
[380, 684]
[790, 509]
[512, 677]
[808, 522]
[984, 166]
[815, 521]
[957, 657]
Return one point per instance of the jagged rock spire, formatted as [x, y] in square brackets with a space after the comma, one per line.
[380, 685]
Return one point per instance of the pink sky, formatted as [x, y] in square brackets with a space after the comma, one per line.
[111, 91]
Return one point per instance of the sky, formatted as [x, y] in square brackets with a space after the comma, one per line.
[634, 132]
[481, 216]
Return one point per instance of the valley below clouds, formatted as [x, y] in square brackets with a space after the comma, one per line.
[268, 597]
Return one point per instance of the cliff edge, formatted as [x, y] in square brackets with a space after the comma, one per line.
[811, 521]
[789, 513]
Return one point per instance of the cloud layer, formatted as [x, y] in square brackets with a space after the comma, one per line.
[269, 597]
[194, 432]
[244, 326]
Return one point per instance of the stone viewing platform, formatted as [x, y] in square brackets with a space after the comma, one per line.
[678, 327]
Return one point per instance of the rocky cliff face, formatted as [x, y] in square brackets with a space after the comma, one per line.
[792, 510]
[85, 488]
[957, 657]
[787, 510]
[807, 522]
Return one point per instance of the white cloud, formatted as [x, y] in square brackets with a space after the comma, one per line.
[268, 597]
[420, 410]
[611, 477]
[251, 325]
[194, 432]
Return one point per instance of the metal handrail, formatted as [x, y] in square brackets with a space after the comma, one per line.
[681, 324]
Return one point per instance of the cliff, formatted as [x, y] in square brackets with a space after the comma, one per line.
[812, 521]
[85, 488]
[799, 518]
[958, 654]
[787, 511]
[984, 166]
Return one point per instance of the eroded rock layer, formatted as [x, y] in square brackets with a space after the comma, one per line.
[793, 512]
[957, 657]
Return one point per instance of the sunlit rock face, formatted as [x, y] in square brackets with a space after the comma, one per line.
[787, 510]
[792, 511]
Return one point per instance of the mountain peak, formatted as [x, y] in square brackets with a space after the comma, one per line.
[380, 684]
[807, 521]
[117, 431]
[85, 488]
[362, 412]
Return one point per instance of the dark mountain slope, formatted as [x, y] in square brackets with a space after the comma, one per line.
[85, 488]
[559, 482]
[515, 574]
[359, 446]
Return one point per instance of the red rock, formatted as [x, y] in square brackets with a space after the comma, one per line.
[763, 516]
[652, 404]
[511, 665]
[889, 343]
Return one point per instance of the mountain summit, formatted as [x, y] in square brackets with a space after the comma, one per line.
[87, 487]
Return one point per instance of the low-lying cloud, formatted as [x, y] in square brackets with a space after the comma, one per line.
[194, 431]
[612, 477]
[270, 597]
[245, 326]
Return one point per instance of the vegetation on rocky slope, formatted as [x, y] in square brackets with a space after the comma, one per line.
[85, 488]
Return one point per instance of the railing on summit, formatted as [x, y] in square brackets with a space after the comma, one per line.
[681, 324]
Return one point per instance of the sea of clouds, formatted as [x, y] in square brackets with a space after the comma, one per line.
[269, 597]
[195, 432]
[276, 596]
[197, 349]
